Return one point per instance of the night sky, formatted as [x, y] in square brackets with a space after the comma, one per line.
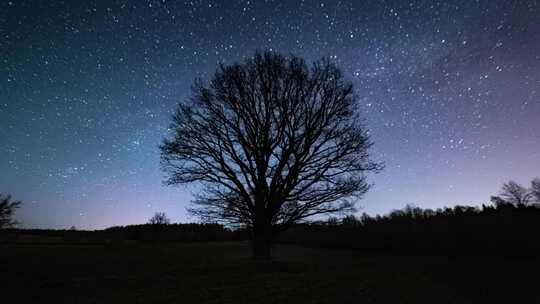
[450, 91]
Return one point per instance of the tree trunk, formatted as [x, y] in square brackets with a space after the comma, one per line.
[262, 244]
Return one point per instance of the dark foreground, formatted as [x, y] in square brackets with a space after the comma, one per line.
[224, 273]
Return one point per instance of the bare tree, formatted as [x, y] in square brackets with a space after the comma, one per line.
[159, 218]
[273, 142]
[535, 189]
[7, 209]
[513, 193]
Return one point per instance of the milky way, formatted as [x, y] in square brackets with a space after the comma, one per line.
[450, 91]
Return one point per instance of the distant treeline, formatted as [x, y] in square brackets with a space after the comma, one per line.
[504, 229]
[176, 233]
[143, 233]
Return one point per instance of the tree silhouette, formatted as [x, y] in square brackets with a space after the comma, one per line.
[513, 193]
[7, 209]
[535, 189]
[272, 142]
[159, 218]
[158, 223]
[458, 230]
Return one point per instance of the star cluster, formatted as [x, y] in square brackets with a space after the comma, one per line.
[449, 89]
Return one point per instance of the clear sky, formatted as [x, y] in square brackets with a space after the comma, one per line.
[449, 89]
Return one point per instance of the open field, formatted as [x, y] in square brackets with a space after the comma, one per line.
[224, 273]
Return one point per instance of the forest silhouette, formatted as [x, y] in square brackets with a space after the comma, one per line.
[506, 227]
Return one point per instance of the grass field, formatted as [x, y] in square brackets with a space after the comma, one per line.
[224, 273]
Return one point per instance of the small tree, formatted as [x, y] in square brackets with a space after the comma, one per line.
[159, 218]
[158, 224]
[515, 194]
[273, 142]
[7, 209]
[535, 189]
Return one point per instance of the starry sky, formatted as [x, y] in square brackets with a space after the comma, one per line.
[449, 89]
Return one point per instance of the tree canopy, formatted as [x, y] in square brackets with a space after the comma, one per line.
[272, 141]
[159, 218]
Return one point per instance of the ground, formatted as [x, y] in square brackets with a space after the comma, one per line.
[224, 273]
